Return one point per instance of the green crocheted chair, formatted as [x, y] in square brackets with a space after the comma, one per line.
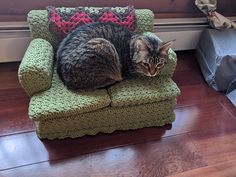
[59, 113]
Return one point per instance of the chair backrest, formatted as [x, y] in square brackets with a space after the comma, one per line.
[38, 23]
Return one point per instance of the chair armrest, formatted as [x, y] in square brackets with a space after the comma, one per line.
[35, 70]
[169, 68]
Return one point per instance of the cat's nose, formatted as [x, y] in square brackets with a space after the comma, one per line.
[152, 72]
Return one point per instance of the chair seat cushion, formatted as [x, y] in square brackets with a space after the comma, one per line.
[143, 90]
[59, 101]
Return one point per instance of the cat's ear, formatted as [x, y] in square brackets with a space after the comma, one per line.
[133, 41]
[165, 46]
[137, 44]
[140, 45]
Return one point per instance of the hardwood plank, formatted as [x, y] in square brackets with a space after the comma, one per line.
[216, 145]
[9, 80]
[183, 63]
[187, 70]
[227, 169]
[164, 157]
[20, 149]
[198, 94]
[188, 76]
[14, 146]
[188, 119]
[199, 117]
[14, 112]
[192, 78]
[12, 95]
[229, 106]
[186, 61]
[13, 102]
[9, 76]
[15, 120]
[11, 66]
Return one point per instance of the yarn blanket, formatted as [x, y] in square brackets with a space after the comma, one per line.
[63, 20]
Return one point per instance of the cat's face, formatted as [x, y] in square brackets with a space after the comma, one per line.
[149, 55]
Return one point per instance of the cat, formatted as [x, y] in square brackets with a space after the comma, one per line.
[98, 55]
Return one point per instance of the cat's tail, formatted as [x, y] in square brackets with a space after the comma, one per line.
[106, 50]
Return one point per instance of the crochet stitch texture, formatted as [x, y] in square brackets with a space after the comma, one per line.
[61, 113]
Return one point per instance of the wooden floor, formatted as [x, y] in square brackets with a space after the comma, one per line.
[201, 142]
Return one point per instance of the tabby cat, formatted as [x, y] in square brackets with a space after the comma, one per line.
[100, 54]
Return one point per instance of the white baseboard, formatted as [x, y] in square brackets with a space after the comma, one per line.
[15, 36]
[13, 49]
[14, 40]
[186, 31]
[184, 40]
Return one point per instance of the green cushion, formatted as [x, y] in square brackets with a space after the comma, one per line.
[59, 101]
[145, 19]
[38, 23]
[139, 91]
[169, 68]
[35, 71]
[107, 120]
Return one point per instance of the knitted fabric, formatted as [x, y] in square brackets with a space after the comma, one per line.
[107, 120]
[59, 101]
[62, 22]
[60, 113]
[38, 23]
[143, 90]
[35, 71]
[169, 68]
[144, 20]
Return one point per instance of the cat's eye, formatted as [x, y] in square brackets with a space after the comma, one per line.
[162, 60]
[145, 64]
[159, 65]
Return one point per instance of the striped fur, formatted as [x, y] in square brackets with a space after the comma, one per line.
[101, 54]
